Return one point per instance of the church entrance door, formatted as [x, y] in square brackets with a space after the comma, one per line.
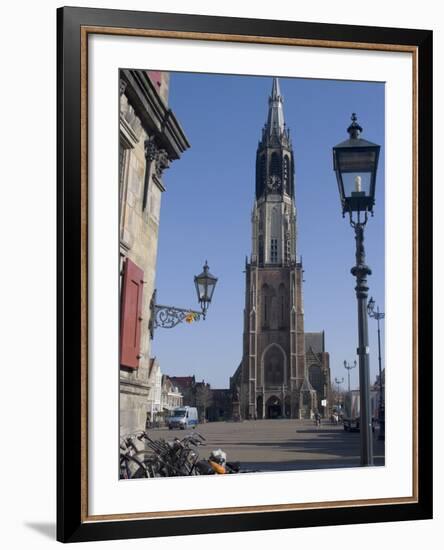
[273, 407]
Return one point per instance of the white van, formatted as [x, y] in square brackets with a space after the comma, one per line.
[183, 417]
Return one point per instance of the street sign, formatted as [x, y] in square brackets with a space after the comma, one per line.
[324, 402]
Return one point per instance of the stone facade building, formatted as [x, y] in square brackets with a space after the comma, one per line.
[171, 395]
[195, 394]
[318, 367]
[151, 138]
[187, 387]
[155, 391]
[272, 379]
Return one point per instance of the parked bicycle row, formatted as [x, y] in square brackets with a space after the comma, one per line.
[178, 457]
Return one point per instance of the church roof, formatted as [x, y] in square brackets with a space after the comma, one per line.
[315, 341]
[183, 381]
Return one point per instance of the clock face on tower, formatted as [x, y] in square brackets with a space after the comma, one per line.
[274, 183]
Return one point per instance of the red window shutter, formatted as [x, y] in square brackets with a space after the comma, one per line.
[131, 315]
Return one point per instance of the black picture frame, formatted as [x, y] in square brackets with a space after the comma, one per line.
[73, 524]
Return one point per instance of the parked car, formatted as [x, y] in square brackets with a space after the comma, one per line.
[183, 418]
[352, 405]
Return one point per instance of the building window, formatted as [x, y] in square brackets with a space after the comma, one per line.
[274, 251]
[315, 377]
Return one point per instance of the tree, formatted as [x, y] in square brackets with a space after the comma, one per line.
[203, 399]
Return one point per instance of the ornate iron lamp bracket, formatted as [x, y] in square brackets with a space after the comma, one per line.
[170, 316]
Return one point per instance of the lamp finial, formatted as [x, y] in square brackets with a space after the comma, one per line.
[354, 129]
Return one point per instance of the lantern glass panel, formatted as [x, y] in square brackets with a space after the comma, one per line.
[202, 288]
[205, 284]
[210, 289]
[357, 160]
[356, 184]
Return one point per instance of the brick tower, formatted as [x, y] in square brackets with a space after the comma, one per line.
[272, 380]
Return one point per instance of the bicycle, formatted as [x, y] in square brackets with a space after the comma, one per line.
[172, 458]
[132, 462]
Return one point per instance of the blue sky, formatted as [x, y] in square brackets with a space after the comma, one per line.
[206, 212]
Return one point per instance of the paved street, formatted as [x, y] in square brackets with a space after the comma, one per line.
[281, 444]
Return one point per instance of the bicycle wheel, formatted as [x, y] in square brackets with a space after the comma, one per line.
[150, 465]
[131, 467]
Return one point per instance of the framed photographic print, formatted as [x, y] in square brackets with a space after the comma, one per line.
[244, 284]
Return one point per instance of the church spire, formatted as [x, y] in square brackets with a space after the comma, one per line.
[274, 157]
[275, 123]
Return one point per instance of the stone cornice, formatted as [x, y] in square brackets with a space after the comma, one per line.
[156, 118]
[134, 387]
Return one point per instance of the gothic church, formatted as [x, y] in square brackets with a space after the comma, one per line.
[284, 372]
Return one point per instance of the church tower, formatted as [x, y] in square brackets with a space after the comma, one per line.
[272, 380]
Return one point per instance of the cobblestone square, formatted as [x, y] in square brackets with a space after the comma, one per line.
[281, 444]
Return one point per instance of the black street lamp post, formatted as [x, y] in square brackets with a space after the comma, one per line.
[378, 315]
[349, 367]
[170, 316]
[355, 162]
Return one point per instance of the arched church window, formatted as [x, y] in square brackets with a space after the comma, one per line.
[268, 297]
[275, 168]
[315, 377]
[274, 366]
[261, 174]
[273, 251]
